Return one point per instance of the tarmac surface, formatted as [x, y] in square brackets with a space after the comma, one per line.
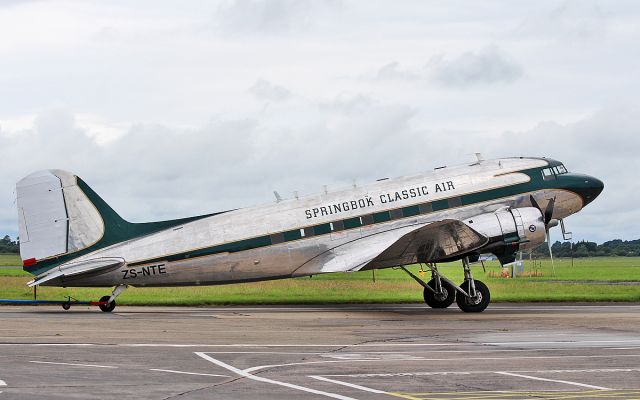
[510, 351]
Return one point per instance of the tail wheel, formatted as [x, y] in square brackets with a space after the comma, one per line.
[107, 307]
[476, 303]
[440, 300]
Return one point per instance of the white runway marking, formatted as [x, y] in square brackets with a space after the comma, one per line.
[535, 378]
[385, 344]
[188, 373]
[3, 383]
[271, 381]
[72, 364]
[372, 360]
[48, 344]
[401, 374]
[608, 342]
[430, 373]
[259, 367]
[560, 343]
[378, 307]
[291, 345]
[428, 351]
[351, 385]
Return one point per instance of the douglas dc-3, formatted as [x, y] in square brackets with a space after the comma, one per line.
[70, 237]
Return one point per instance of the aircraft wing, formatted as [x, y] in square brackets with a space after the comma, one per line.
[436, 241]
[86, 267]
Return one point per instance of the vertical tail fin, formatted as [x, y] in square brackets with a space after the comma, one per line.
[61, 217]
[55, 216]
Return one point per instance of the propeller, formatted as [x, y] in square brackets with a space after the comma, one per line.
[549, 222]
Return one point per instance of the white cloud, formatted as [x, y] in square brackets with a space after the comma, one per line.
[393, 70]
[265, 90]
[572, 20]
[166, 118]
[240, 17]
[487, 66]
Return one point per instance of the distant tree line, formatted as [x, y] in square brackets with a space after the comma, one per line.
[617, 247]
[9, 246]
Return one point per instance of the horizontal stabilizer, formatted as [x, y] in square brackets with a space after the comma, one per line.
[79, 268]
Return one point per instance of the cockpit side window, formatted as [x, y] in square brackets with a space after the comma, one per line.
[548, 174]
[561, 169]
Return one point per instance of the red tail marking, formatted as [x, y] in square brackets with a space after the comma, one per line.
[29, 262]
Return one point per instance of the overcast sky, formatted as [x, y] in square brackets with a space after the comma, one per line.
[170, 109]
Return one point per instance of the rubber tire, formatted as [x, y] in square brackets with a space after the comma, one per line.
[109, 307]
[430, 297]
[66, 306]
[468, 306]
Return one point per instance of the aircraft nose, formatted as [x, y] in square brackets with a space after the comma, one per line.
[590, 189]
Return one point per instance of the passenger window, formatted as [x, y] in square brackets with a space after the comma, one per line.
[548, 174]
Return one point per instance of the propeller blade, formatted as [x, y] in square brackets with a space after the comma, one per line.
[534, 203]
[553, 267]
[548, 212]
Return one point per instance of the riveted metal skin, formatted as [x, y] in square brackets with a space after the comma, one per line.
[434, 216]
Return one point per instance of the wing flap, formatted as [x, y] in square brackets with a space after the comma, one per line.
[79, 268]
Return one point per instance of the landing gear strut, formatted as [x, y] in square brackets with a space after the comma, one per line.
[440, 292]
[443, 293]
[475, 295]
[108, 303]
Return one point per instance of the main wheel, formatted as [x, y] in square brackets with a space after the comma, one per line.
[442, 300]
[476, 303]
[66, 305]
[107, 307]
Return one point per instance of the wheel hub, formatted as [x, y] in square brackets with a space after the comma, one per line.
[442, 296]
[475, 300]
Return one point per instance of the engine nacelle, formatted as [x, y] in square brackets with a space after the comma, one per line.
[510, 230]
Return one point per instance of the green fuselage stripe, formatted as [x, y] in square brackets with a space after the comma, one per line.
[118, 230]
[536, 183]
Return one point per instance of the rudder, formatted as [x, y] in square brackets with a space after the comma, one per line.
[55, 216]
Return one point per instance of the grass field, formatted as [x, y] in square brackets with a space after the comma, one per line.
[10, 259]
[582, 282]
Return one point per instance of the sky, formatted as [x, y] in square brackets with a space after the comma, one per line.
[170, 109]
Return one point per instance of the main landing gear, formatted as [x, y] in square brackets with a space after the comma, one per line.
[472, 295]
[108, 303]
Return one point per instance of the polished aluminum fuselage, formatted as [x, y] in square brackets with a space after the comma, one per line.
[150, 260]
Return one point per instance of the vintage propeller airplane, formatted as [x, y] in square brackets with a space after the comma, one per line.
[70, 237]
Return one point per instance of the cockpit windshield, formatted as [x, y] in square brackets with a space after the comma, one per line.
[553, 172]
[560, 169]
